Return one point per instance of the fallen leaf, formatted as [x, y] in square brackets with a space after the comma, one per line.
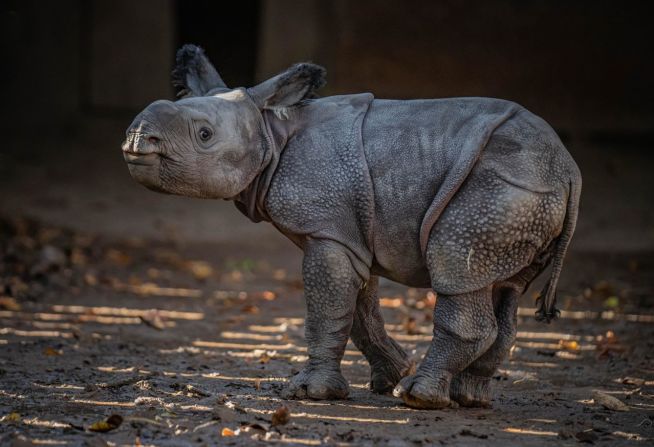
[118, 257]
[201, 270]
[193, 391]
[281, 416]
[90, 279]
[411, 326]
[607, 344]
[609, 402]
[77, 257]
[612, 302]
[250, 309]
[390, 302]
[569, 345]
[11, 417]
[8, 303]
[111, 423]
[50, 351]
[633, 381]
[153, 319]
[266, 356]
[228, 432]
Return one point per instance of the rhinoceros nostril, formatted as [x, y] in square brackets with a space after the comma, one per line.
[153, 140]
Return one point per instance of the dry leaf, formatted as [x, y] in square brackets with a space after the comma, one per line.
[153, 319]
[411, 326]
[118, 257]
[11, 417]
[250, 309]
[609, 402]
[111, 423]
[281, 416]
[268, 295]
[228, 432]
[266, 356]
[390, 302]
[50, 351]
[608, 344]
[569, 345]
[201, 270]
[8, 303]
[90, 279]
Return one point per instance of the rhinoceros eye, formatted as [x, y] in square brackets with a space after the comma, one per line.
[205, 134]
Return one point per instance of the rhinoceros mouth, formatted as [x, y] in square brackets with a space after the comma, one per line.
[134, 158]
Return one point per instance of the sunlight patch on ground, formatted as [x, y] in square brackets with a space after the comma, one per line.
[274, 329]
[525, 431]
[44, 423]
[553, 336]
[289, 320]
[63, 386]
[103, 403]
[553, 346]
[300, 415]
[592, 315]
[21, 333]
[127, 312]
[250, 336]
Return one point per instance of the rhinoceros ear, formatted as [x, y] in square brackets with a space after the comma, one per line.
[288, 88]
[193, 74]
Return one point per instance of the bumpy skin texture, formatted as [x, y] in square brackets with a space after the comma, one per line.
[330, 289]
[388, 361]
[473, 197]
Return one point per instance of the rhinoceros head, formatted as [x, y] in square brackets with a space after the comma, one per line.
[211, 142]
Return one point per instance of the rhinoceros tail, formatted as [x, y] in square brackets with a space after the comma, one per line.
[546, 302]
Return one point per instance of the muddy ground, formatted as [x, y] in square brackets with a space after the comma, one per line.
[190, 344]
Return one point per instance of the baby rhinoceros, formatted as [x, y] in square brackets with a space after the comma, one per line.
[473, 197]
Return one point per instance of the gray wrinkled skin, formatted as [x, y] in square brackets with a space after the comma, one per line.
[473, 197]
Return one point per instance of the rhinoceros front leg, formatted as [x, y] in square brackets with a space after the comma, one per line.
[331, 285]
[388, 361]
[472, 386]
[464, 328]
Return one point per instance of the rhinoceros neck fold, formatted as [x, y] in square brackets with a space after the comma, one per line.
[251, 200]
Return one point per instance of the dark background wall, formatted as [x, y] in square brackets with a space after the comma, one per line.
[586, 66]
[73, 67]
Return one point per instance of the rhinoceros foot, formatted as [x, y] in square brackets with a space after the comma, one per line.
[471, 391]
[384, 378]
[427, 391]
[317, 383]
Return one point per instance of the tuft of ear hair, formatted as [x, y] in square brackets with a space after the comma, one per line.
[193, 74]
[294, 85]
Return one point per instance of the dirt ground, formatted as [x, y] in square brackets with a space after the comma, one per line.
[191, 345]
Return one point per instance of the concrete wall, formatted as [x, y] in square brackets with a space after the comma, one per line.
[131, 47]
[585, 66]
[68, 59]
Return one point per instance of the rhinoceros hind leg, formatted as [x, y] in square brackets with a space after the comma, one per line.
[388, 361]
[472, 386]
[464, 328]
